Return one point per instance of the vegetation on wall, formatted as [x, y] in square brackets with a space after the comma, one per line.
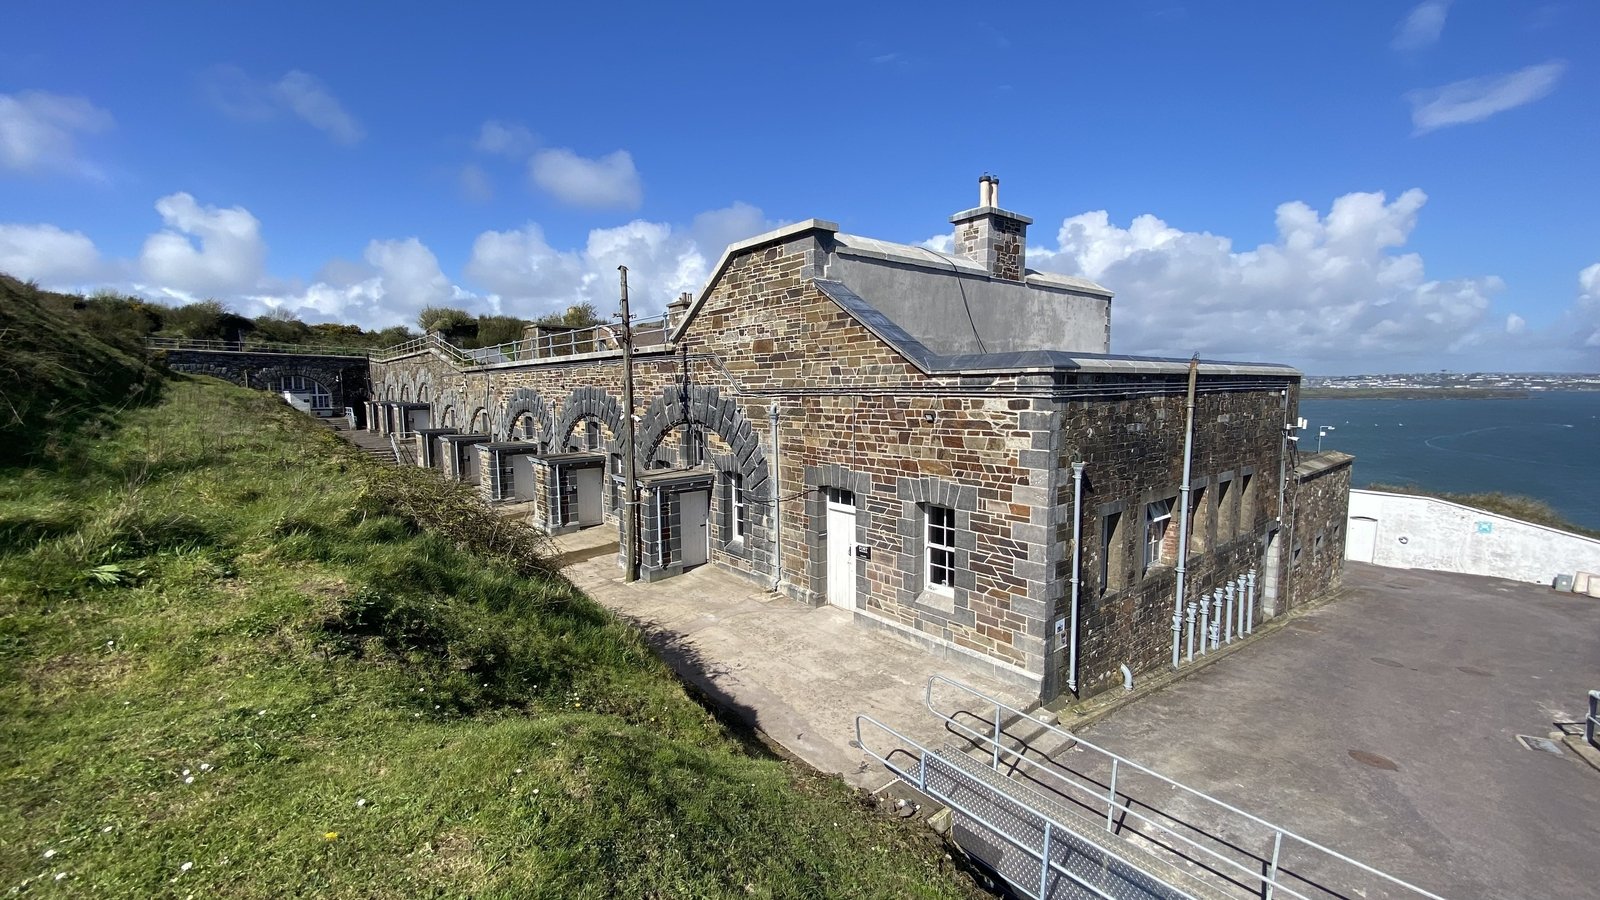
[1515, 506]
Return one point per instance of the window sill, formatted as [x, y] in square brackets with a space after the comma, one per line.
[941, 599]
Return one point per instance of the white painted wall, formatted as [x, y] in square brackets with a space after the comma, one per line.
[1424, 533]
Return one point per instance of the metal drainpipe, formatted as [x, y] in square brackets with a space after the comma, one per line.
[777, 509]
[1183, 514]
[1077, 559]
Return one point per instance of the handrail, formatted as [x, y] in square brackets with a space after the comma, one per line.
[1269, 881]
[169, 343]
[920, 781]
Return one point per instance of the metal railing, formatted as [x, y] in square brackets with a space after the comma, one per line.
[917, 776]
[1591, 722]
[1108, 796]
[166, 343]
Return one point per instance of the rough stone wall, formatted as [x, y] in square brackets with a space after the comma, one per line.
[996, 241]
[344, 377]
[1132, 447]
[1320, 506]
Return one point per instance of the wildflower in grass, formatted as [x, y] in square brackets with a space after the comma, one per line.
[205, 767]
[261, 712]
[107, 829]
[189, 780]
[60, 875]
[185, 771]
[331, 836]
[186, 867]
[49, 853]
[360, 802]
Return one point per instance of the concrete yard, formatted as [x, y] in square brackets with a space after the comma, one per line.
[799, 674]
[1384, 725]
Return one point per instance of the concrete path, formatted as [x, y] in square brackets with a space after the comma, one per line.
[1384, 726]
[799, 674]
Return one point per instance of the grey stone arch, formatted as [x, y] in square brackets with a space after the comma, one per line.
[447, 409]
[422, 387]
[391, 387]
[265, 378]
[706, 407]
[584, 404]
[481, 421]
[523, 402]
[224, 373]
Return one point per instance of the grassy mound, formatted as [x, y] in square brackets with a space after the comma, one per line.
[238, 659]
[1515, 506]
[56, 377]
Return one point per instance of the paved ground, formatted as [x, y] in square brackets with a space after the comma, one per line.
[1384, 725]
[800, 674]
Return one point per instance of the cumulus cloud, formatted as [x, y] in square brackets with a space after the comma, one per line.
[609, 182]
[203, 250]
[39, 132]
[530, 278]
[1476, 99]
[1583, 322]
[48, 254]
[505, 139]
[1333, 292]
[298, 94]
[1422, 26]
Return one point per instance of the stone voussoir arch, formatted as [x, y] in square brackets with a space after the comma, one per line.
[269, 376]
[526, 401]
[447, 408]
[705, 406]
[588, 403]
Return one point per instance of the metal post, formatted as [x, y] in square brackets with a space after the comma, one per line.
[1044, 865]
[1227, 626]
[1239, 589]
[630, 518]
[1216, 618]
[1111, 801]
[1272, 873]
[1205, 624]
[1250, 592]
[997, 736]
[1191, 630]
[1593, 718]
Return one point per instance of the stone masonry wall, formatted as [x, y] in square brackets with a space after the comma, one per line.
[1320, 505]
[1133, 450]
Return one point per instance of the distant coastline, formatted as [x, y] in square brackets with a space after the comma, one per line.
[1414, 393]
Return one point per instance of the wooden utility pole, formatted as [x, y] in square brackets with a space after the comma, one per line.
[630, 515]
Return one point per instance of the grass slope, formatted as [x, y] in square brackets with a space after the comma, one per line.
[241, 660]
[56, 377]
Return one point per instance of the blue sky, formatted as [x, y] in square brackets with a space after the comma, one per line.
[1343, 186]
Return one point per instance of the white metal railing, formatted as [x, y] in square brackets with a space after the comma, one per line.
[1591, 722]
[1267, 885]
[168, 343]
[917, 776]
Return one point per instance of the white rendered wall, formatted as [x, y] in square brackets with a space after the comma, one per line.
[1425, 533]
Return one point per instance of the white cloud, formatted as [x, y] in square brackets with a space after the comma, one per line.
[1515, 324]
[1476, 99]
[609, 182]
[531, 278]
[39, 132]
[203, 250]
[1332, 292]
[310, 100]
[1583, 322]
[297, 93]
[46, 253]
[505, 139]
[1422, 26]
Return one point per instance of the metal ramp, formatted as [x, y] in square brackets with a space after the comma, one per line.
[1089, 823]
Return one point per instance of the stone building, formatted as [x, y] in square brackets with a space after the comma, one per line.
[940, 442]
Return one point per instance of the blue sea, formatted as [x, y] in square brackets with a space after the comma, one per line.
[1547, 446]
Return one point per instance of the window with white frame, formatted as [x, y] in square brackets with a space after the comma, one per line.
[739, 513]
[1157, 523]
[311, 391]
[941, 549]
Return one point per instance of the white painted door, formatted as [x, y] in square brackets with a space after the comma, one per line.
[588, 483]
[1361, 542]
[841, 549]
[694, 510]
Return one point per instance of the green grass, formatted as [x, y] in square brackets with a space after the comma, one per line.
[220, 590]
[1514, 505]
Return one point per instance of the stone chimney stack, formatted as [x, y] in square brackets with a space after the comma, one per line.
[994, 237]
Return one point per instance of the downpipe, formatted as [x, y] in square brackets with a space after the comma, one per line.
[777, 508]
[1183, 515]
[1077, 560]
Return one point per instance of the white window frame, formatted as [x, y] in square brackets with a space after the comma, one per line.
[738, 513]
[941, 522]
[1157, 519]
